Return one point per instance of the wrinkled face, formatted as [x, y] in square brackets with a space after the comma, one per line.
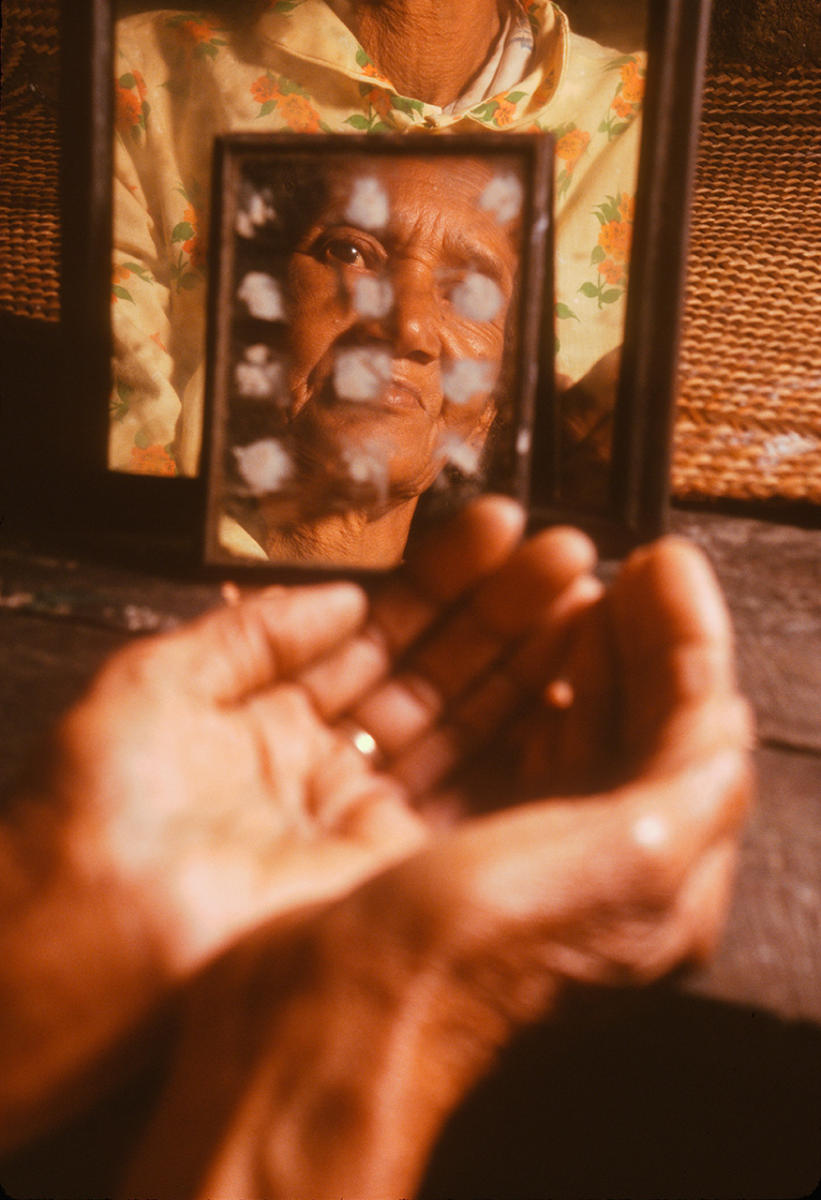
[399, 294]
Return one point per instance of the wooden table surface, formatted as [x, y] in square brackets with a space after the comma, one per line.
[738, 1044]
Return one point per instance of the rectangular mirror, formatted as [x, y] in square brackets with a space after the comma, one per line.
[375, 305]
[616, 83]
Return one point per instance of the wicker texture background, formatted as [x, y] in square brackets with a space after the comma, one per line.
[749, 414]
[29, 197]
[749, 410]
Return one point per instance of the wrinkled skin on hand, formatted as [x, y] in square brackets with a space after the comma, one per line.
[565, 773]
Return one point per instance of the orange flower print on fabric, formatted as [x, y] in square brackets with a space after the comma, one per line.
[632, 82]
[298, 114]
[611, 271]
[505, 113]
[291, 102]
[152, 460]
[627, 99]
[367, 67]
[627, 207]
[264, 90]
[622, 107]
[615, 238]
[132, 106]
[571, 144]
[189, 261]
[611, 254]
[120, 275]
[501, 111]
[380, 103]
[199, 33]
[193, 246]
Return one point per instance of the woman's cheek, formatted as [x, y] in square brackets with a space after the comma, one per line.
[319, 316]
[475, 339]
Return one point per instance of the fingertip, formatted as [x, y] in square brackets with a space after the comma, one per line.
[493, 516]
[339, 606]
[671, 554]
[570, 547]
[450, 558]
[232, 651]
[535, 576]
[503, 508]
[674, 577]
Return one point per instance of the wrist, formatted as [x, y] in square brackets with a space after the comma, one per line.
[78, 970]
[396, 1027]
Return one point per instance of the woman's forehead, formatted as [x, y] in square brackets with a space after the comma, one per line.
[392, 184]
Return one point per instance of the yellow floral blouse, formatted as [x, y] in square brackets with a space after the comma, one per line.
[182, 78]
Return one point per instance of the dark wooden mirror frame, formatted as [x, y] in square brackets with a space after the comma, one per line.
[155, 519]
[534, 162]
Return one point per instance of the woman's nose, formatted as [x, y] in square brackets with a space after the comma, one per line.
[412, 323]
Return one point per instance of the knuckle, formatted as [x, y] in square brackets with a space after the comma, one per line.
[655, 859]
[237, 637]
[137, 666]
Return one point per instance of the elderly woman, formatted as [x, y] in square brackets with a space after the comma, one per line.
[383, 317]
[342, 66]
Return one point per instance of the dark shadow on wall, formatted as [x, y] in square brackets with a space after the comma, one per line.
[651, 1096]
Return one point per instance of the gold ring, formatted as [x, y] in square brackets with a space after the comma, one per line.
[361, 740]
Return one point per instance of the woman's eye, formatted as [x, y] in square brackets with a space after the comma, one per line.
[343, 251]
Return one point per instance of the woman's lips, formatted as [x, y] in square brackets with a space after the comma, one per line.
[394, 396]
[399, 395]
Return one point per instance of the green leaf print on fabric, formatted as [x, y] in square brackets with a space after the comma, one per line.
[570, 144]
[132, 107]
[290, 101]
[118, 404]
[199, 32]
[611, 253]
[121, 272]
[187, 267]
[627, 100]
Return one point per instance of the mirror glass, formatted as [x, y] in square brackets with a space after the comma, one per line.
[184, 76]
[367, 336]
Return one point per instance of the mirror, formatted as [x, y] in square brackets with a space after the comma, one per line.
[621, 106]
[376, 304]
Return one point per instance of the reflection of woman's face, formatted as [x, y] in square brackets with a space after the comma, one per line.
[400, 290]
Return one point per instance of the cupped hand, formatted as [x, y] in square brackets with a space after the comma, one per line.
[596, 757]
[212, 769]
[206, 782]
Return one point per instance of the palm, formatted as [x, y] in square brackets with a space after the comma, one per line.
[208, 779]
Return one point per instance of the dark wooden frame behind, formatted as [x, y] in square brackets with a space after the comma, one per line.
[154, 514]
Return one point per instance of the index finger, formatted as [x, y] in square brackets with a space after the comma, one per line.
[445, 563]
[230, 653]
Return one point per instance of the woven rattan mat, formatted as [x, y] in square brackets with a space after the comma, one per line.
[29, 199]
[749, 413]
